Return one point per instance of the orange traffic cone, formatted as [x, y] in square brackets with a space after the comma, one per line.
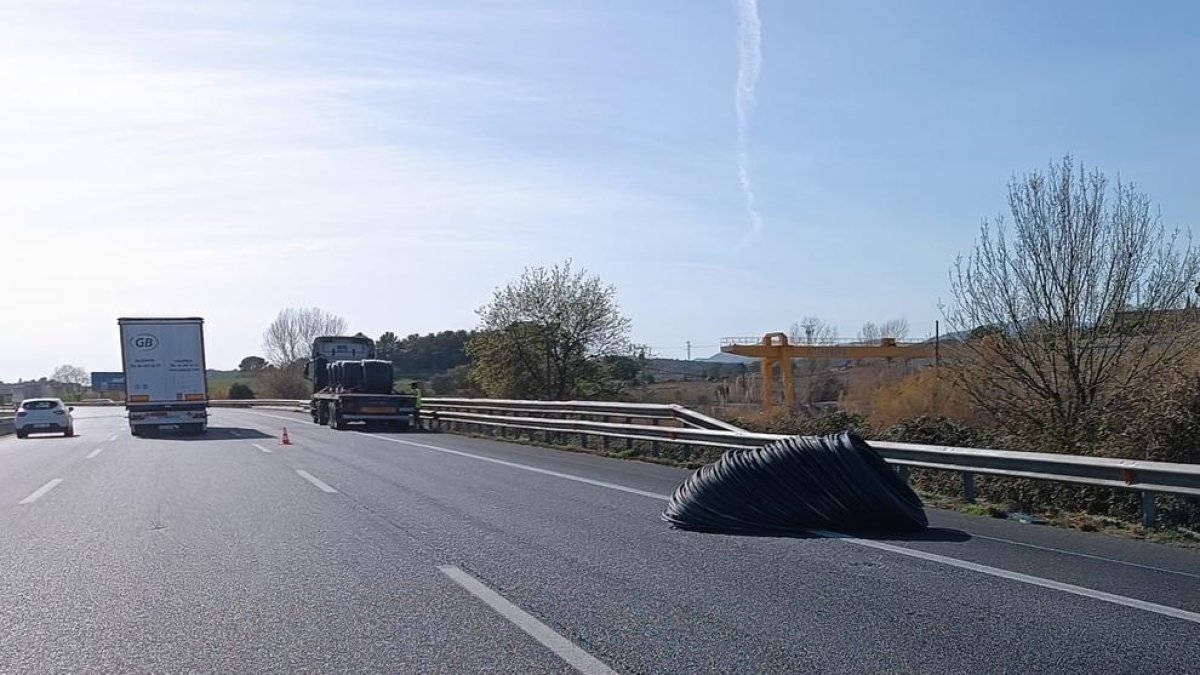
[284, 440]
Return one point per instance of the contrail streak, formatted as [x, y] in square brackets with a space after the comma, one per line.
[749, 45]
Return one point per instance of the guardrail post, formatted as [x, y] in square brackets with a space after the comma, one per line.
[902, 471]
[583, 441]
[604, 439]
[968, 480]
[628, 441]
[1149, 509]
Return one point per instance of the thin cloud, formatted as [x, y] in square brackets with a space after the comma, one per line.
[173, 181]
[749, 47]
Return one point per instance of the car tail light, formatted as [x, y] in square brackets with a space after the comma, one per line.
[21, 413]
[60, 412]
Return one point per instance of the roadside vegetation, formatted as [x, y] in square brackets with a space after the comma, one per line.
[1074, 328]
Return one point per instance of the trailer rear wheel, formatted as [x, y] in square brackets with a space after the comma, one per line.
[322, 414]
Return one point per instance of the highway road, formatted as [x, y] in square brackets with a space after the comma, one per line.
[394, 553]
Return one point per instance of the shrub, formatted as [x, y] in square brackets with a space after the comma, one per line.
[239, 390]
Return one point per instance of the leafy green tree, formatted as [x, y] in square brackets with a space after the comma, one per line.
[426, 355]
[544, 335]
[252, 364]
[387, 347]
[454, 382]
[239, 390]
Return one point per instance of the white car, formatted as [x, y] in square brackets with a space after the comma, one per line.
[44, 416]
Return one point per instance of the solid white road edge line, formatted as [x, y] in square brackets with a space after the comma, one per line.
[523, 467]
[41, 491]
[566, 650]
[1017, 576]
[314, 480]
[1085, 555]
[912, 553]
[260, 447]
[95, 452]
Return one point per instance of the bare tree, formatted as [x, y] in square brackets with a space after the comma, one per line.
[870, 332]
[815, 380]
[812, 330]
[289, 337]
[897, 329]
[1084, 296]
[545, 334]
[73, 375]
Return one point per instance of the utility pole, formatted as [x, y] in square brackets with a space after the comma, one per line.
[689, 350]
[937, 344]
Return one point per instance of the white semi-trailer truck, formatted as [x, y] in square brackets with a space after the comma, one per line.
[165, 384]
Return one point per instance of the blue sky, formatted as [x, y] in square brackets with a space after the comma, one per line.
[393, 162]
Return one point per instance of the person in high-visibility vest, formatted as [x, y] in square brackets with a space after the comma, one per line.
[416, 392]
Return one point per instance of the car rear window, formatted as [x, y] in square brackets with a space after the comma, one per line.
[40, 405]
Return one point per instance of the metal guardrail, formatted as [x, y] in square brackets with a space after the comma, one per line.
[604, 411]
[594, 419]
[676, 425]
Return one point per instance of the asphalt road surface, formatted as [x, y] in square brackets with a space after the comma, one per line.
[396, 553]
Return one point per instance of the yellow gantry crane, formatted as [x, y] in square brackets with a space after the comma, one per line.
[774, 349]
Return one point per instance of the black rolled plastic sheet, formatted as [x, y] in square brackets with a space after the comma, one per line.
[794, 485]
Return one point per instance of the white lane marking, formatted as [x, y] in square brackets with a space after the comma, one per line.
[1017, 576]
[523, 467]
[95, 452]
[1085, 555]
[41, 491]
[314, 480]
[566, 650]
[113, 437]
[914, 553]
[260, 447]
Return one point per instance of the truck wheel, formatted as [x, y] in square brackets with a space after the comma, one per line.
[322, 413]
[21, 434]
[336, 421]
[69, 432]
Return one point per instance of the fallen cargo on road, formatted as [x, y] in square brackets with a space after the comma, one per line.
[795, 485]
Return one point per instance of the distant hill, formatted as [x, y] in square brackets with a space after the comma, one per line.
[723, 357]
[676, 369]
